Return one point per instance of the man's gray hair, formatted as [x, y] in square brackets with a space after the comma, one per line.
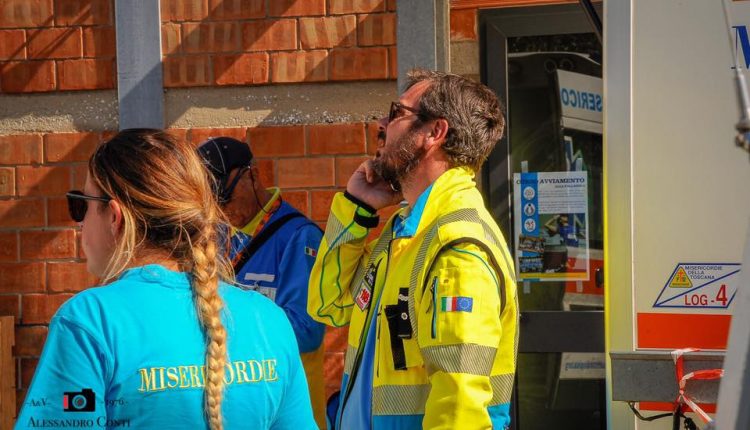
[473, 111]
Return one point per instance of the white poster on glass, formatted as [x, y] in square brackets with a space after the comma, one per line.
[551, 225]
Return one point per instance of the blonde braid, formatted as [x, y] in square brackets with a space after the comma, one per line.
[206, 285]
[165, 195]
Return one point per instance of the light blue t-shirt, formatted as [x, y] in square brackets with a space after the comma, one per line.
[136, 349]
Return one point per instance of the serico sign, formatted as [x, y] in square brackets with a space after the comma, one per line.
[580, 99]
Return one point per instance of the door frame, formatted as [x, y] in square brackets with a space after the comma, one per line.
[495, 27]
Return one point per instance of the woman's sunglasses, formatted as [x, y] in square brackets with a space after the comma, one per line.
[77, 204]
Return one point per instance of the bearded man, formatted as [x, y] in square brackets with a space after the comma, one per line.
[431, 304]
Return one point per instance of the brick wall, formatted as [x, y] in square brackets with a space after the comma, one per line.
[255, 42]
[60, 45]
[56, 45]
[463, 25]
[41, 262]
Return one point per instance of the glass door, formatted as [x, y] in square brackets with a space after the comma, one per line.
[544, 186]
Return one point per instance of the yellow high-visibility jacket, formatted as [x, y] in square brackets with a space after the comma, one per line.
[447, 325]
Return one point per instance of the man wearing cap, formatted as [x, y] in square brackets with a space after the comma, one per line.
[273, 248]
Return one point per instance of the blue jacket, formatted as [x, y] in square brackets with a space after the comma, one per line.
[280, 270]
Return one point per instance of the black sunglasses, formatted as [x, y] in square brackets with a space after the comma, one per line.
[77, 204]
[226, 193]
[396, 107]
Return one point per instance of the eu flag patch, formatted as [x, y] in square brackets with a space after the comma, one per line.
[457, 304]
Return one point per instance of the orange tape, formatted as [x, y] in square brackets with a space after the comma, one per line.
[682, 397]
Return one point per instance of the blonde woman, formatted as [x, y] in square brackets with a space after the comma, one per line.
[165, 344]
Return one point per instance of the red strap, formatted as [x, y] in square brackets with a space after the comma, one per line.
[707, 374]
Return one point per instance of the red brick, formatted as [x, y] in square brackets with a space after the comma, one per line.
[300, 66]
[39, 308]
[345, 166]
[66, 147]
[337, 139]
[188, 71]
[69, 277]
[99, 42]
[333, 368]
[86, 74]
[179, 134]
[29, 341]
[43, 245]
[374, 233]
[328, 32]
[376, 29]
[356, 6]
[236, 9]
[195, 37]
[107, 135]
[9, 248]
[43, 181]
[28, 367]
[27, 76]
[21, 213]
[296, 7]
[80, 12]
[298, 199]
[266, 35]
[184, 10]
[360, 63]
[20, 149]
[305, 172]
[171, 39]
[7, 181]
[22, 277]
[321, 207]
[386, 212]
[25, 13]
[79, 172]
[286, 141]
[392, 62]
[200, 135]
[79, 245]
[210, 37]
[57, 213]
[371, 131]
[336, 339]
[242, 69]
[66, 42]
[463, 24]
[267, 172]
[10, 305]
[12, 45]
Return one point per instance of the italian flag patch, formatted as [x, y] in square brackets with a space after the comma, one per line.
[310, 251]
[457, 304]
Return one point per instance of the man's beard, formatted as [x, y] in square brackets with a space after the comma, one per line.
[396, 166]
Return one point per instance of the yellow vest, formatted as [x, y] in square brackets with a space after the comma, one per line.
[447, 331]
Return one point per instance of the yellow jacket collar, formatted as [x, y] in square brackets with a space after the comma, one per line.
[442, 195]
